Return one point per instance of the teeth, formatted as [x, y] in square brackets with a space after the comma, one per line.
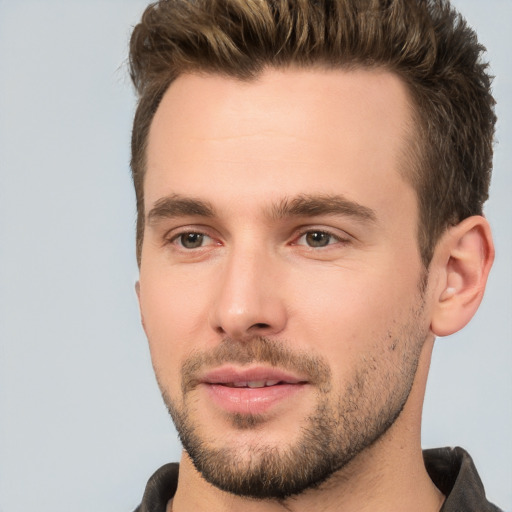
[256, 384]
[253, 384]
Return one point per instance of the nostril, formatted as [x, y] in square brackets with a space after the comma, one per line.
[220, 330]
[260, 326]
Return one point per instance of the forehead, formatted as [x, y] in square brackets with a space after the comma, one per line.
[288, 130]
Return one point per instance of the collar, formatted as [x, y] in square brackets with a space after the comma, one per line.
[451, 469]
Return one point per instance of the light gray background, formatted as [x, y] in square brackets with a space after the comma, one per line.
[82, 425]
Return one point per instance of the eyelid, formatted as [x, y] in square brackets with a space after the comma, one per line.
[177, 240]
[172, 235]
[339, 235]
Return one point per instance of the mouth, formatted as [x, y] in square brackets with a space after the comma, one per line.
[255, 377]
[249, 391]
[254, 384]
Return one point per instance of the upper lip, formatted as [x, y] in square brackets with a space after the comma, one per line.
[234, 375]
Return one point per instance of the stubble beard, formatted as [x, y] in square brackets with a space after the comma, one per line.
[341, 426]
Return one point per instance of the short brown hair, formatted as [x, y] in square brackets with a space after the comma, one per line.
[425, 42]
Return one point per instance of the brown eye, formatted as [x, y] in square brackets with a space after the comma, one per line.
[318, 238]
[191, 240]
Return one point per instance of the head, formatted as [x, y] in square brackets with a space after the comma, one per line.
[426, 43]
[298, 169]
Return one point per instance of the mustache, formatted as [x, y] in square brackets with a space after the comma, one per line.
[259, 349]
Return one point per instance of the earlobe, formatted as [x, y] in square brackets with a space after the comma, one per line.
[463, 257]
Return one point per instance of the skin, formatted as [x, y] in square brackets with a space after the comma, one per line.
[357, 303]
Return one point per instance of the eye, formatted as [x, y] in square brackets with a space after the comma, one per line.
[317, 239]
[191, 240]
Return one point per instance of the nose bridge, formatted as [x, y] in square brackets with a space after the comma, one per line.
[249, 302]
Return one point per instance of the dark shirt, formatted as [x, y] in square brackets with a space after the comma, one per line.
[451, 469]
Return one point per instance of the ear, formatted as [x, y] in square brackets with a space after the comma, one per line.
[463, 258]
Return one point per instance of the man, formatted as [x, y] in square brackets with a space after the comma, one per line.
[310, 179]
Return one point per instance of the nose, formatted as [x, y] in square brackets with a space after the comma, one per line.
[250, 298]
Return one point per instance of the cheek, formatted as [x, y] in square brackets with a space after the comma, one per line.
[348, 312]
[173, 312]
[349, 297]
[172, 301]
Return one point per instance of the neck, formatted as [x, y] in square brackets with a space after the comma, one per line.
[388, 476]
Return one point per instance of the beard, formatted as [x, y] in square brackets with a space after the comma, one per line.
[342, 424]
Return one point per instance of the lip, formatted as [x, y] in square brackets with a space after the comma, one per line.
[228, 388]
[231, 374]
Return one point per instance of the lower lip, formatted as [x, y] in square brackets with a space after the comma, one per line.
[251, 400]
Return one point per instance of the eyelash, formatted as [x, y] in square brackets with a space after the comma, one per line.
[332, 236]
[175, 238]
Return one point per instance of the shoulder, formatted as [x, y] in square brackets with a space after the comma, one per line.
[160, 489]
[453, 472]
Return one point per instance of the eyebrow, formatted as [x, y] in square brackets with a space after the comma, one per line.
[304, 205]
[178, 206]
[307, 205]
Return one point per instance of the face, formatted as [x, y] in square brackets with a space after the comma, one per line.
[280, 280]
